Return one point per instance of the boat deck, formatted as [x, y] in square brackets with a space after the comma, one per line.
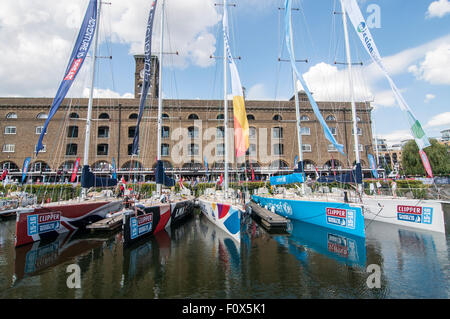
[269, 220]
[106, 224]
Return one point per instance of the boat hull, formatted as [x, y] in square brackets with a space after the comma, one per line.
[145, 222]
[180, 210]
[333, 215]
[225, 216]
[421, 214]
[47, 222]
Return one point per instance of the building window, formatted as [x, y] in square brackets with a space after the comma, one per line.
[11, 115]
[43, 150]
[165, 132]
[304, 118]
[220, 117]
[193, 132]
[331, 118]
[165, 116]
[130, 149]
[102, 149]
[250, 117]
[252, 132]
[306, 148]
[278, 149]
[103, 132]
[165, 150]
[358, 119]
[193, 117]
[72, 131]
[131, 131]
[104, 116]
[42, 116]
[9, 148]
[39, 130]
[331, 148]
[251, 150]
[220, 132]
[10, 130]
[277, 132]
[133, 116]
[277, 118]
[333, 130]
[193, 149]
[361, 148]
[74, 116]
[305, 130]
[359, 131]
[71, 149]
[220, 150]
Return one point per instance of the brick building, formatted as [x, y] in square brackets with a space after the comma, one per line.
[192, 129]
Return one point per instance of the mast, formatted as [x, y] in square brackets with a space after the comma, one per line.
[225, 103]
[352, 94]
[91, 97]
[160, 101]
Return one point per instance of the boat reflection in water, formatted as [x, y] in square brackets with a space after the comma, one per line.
[33, 259]
[345, 248]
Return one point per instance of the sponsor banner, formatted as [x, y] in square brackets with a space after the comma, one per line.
[43, 223]
[141, 225]
[415, 214]
[341, 217]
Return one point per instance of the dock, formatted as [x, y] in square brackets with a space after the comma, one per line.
[106, 224]
[269, 220]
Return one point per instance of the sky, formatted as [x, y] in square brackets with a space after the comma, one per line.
[413, 38]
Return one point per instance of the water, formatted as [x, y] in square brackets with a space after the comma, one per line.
[197, 260]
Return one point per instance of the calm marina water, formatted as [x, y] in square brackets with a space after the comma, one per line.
[198, 260]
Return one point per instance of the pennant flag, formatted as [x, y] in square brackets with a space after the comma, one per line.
[426, 163]
[26, 164]
[123, 181]
[317, 172]
[180, 182]
[75, 170]
[290, 48]
[368, 42]
[5, 172]
[241, 128]
[221, 179]
[253, 173]
[373, 165]
[77, 58]
[114, 173]
[147, 74]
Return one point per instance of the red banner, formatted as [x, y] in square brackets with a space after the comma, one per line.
[75, 170]
[5, 172]
[426, 163]
[253, 173]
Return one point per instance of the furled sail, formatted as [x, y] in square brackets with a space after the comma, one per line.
[241, 128]
[161, 177]
[287, 179]
[77, 58]
[88, 179]
[368, 42]
[147, 74]
[290, 48]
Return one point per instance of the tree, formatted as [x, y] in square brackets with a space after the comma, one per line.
[437, 154]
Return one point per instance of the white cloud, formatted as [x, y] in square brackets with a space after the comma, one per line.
[396, 137]
[257, 92]
[435, 68]
[107, 93]
[438, 9]
[442, 119]
[429, 97]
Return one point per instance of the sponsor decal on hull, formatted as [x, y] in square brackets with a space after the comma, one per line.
[341, 217]
[415, 214]
[43, 223]
[141, 225]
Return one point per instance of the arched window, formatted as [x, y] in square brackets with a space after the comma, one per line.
[165, 132]
[131, 131]
[304, 118]
[250, 117]
[133, 116]
[11, 115]
[42, 116]
[277, 118]
[102, 149]
[67, 166]
[10, 166]
[72, 131]
[104, 116]
[193, 132]
[102, 166]
[165, 116]
[220, 117]
[103, 132]
[278, 164]
[193, 117]
[74, 115]
[331, 118]
[132, 166]
[40, 167]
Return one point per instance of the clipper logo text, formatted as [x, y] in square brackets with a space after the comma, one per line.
[43, 223]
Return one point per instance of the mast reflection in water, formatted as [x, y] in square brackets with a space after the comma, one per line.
[198, 260]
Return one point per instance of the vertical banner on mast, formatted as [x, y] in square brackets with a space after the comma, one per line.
[147, 74]
[77, 58]
[241, 128]
[26, 164]
[114, 173]
[368, 42]
[426, 163]
[373, 165]
[75, 170]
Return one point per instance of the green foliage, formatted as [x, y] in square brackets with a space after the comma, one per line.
[437, 155]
